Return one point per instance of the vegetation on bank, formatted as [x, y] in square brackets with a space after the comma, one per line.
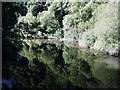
[92, 24]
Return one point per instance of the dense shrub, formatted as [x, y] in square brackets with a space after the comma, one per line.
[92, 24]
[106, 29]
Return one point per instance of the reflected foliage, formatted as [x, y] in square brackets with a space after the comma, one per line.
[52, 65]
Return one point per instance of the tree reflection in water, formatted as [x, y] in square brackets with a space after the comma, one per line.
[49, 64]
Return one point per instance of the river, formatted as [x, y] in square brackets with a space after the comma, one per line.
[56, 64]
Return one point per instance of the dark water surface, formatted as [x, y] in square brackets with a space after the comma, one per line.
[54, 64]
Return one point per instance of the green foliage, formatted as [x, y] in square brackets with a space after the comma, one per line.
[59, 9]
[93, 25]
[33, 63]
[35, 7]
[68, 66]
[107, 37]
[48, 22]
[28, 24]
[78, 21]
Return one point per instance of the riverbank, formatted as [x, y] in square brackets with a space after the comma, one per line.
[78, 43]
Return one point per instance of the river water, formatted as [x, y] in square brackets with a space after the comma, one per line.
[55, 64]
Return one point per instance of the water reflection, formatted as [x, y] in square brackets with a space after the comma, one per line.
[53, 64]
